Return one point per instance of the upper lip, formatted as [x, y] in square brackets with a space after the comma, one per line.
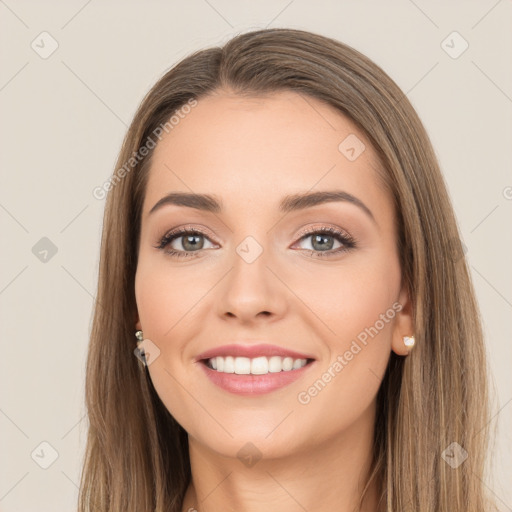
[251, 351]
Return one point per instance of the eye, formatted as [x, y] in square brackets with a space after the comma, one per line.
[192, 241]
[323, 240]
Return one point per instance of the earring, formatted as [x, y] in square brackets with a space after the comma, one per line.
[139, 351]
[408, 341]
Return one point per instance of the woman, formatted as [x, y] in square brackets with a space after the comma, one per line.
[284, 318]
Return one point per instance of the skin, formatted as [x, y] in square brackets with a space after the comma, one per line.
[250, 152]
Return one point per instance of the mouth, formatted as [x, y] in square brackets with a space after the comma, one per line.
[254, 376]
[252, 369]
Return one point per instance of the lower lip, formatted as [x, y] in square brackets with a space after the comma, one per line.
[254, 384]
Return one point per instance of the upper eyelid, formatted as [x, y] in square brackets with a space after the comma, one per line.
[302, 232]
[326, 228]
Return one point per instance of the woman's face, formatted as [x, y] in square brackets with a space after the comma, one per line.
[261, 271]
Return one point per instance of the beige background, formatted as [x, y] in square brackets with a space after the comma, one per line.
[62, 123]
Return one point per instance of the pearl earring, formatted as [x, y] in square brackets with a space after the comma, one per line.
[139, 351]
[408, 341]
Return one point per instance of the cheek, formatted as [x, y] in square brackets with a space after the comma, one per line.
[351, 298]
[165, 306]
[358, 306]
[364, 303]
[355, 306]
[166, 300]
[171, 306]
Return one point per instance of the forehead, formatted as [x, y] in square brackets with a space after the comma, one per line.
[254, 150]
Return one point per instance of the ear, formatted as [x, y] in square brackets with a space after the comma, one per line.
[404, 325]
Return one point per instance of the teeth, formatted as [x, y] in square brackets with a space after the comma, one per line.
[256, 366]
[259, 366]
[242, 365]
[229, 365]
[297, 364]
[275, 364]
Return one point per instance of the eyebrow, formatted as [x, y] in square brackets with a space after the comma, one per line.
[290, 203]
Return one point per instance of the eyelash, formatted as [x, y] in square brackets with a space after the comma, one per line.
[348, 242]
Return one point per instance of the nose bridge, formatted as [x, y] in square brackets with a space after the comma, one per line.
[251, 232]
[251, 249]
[250, 259]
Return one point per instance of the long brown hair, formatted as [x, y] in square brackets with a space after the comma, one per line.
[137, 454]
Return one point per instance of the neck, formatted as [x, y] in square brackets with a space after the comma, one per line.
[329, 475]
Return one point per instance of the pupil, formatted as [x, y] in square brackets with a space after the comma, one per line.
[188, 239]
[322, 238]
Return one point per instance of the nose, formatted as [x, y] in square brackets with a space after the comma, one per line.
[252, 289]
